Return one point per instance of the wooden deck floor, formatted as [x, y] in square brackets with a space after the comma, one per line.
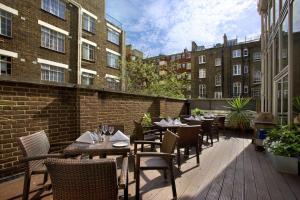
[231, 169]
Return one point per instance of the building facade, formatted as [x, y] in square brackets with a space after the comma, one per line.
[133, 54]
[182, 61]
[280, 44]
[226, 70]
[65, 42]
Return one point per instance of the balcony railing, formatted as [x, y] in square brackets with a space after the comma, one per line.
[113, 21]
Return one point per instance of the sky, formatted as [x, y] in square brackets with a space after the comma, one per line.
[168, 26]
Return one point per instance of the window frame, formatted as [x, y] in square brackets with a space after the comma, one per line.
[239, 70]
[202, 73]
[114, 33]
[59, 3]
[7, 62]
[112, 55]
[90, 19]
[202, 59]
[219, 63]
[255, 57]
[55, 69]
[202, 91]
[244, 52]
[90, 48]
[246, 67]
[8, 15]
[235, 54]
[44, 39]
[218, 80]
[87, 76]
[238, 86]
[246, 89]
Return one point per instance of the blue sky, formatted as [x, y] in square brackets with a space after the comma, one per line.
[169, 26]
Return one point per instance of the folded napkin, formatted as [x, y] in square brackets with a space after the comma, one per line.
[86, 137]
[190, 118]
[119, 136]
[163, 121]
[177, 122]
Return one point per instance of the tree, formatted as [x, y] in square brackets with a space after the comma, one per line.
[145, 77]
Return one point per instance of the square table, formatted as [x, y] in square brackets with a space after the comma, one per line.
[102, 148]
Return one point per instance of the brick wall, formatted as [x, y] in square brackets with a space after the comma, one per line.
[65, 112]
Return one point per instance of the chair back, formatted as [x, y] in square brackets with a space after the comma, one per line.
[83, 179]
[194, 122]
[117, 127]
[34, 145]
[169, 142]
[206, 125]
[220, 122]
[138, 130]
[188, 135]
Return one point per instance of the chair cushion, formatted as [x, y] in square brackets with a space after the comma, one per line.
[149, 162]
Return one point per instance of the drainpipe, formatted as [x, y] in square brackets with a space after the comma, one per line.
[78, 39]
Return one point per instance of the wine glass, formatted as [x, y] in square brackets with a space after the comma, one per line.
[105, 129]
[111, 130]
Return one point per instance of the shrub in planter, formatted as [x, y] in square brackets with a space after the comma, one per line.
[146, 120]
[284, 145]
[197, 112]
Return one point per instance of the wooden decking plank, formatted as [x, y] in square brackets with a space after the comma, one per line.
[294, 183]
[250, 187]
[262, 192]
[271, 184]
[238, 184]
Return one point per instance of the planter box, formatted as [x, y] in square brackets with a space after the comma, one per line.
[285, 164]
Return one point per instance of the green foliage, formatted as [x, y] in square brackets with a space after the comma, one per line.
[145, 78]
[239, 116]
[146, 119]
[197, 112]
[284, 141]
[296, 103]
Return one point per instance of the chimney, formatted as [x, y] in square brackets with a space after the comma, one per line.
[225, 39]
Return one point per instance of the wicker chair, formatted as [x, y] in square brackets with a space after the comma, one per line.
[188, 137]
[35, 149]
[162, 160]
[87, 179]
[142, 133]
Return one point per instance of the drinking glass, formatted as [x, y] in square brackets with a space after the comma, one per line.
[105, 129]
[111, 130]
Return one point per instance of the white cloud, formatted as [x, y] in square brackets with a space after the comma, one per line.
[165, 26]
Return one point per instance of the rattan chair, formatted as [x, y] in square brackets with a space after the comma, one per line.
[35, 149]
[162, 160]
[87, 179]
[188, 137]
[142, 133]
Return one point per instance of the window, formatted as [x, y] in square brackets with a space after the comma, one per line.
[202, 73]
[55, 7]
[257, 77]
[236, 53]
[113, 36]
[218, 62]
[236, 70]
[218, 95]
[218, 80]
[202, 59]
[173, 57]
[246, 89]
[237, 89]
[52, 73]
[188, 66]
[256, 56]
[88, 23]
[189, 76]
[112, 60]
[246, 69]
[52, 40]
[245, 52]
[255, 92]
[178, 56]
[5, 65]
[5, 23]
[188, 87]
[183, 65]
[88, 52]
[87, 78]
[202, 91]
[113, 83]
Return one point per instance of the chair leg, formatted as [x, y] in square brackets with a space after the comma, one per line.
[200, 143]
[45, 178]
[126, 189]
[26, 186]
[137, 182]
[178, 158]
[197, 155]
[142, 147]
[173, 182]
[165, 174]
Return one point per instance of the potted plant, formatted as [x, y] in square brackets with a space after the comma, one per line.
[239, 117]
[197, 112]
[146, 120]
[296, 104]
[283, 143]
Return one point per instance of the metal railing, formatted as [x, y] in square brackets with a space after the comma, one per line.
[113, 21]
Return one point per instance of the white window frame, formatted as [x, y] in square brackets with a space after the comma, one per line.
[245, 52]
[236, 53]
[188, 66]
[218, 80]
[246, 69]
[59, 11]
[202, 73]
[111, 60]
[202, 91]
[238, 87]
[218, 95]
[54, 73]
[236, 70]
[87, 78]
[202, 59]
[113, 36]
[257, 76]
[90, 51]
[88, 22]
[218, 62]
[5, 17]
[52, 39]
[8, 65]
[113, 82]
[257, 56]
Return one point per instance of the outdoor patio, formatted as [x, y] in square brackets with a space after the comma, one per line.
[231, 169]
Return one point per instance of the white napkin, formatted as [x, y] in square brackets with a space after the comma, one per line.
[163, 121]
[190, 118]
[86, 138]
[119, 136]
[177, 122]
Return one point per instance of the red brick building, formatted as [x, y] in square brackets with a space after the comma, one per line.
[62, 42]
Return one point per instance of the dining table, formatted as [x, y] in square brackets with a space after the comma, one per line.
[103, 148]
[164, 126]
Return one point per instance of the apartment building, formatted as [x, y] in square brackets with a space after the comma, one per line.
[64, 42]
[133, 54]
[280, 44]
[226, 70]
[182, 61]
